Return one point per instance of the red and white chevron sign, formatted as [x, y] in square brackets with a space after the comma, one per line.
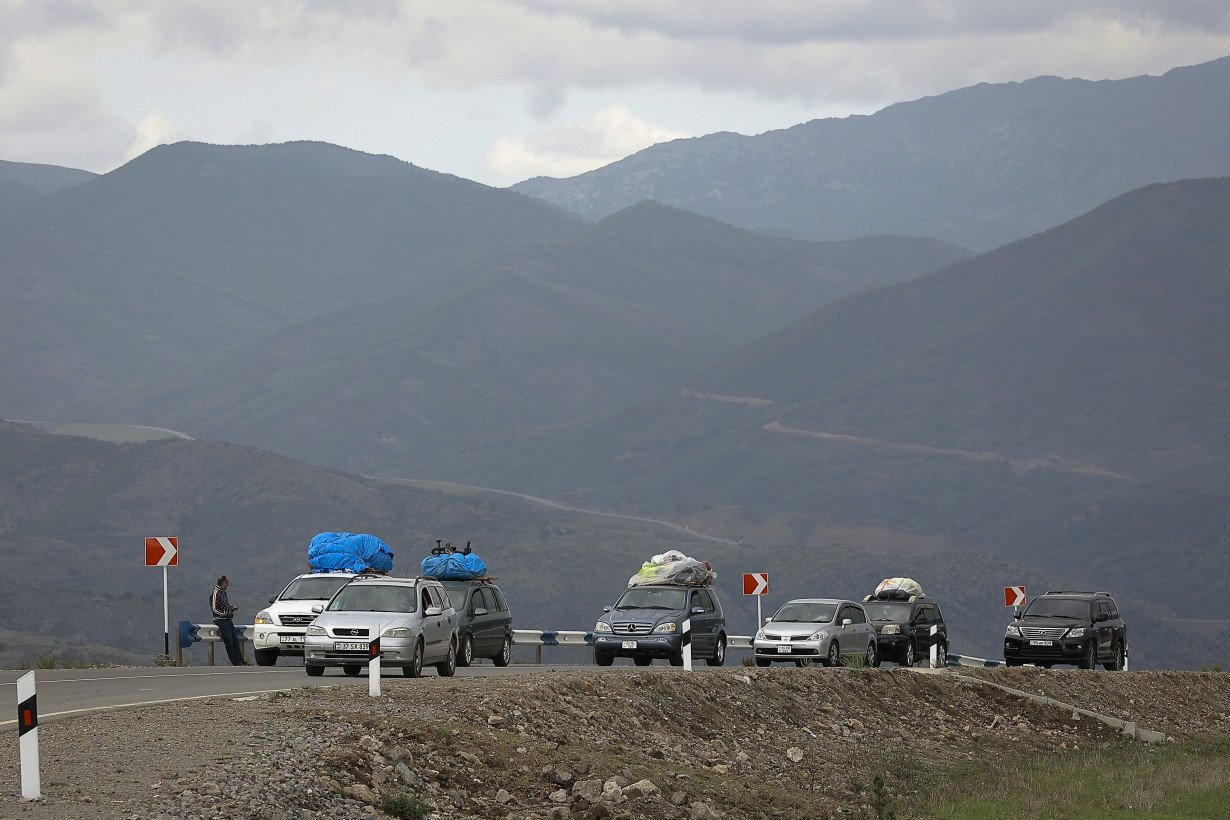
[162, 552]
[755, 583]
[1014, 596]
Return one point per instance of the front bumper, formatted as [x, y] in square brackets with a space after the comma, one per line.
[1060, 650]
[288, 640]
[795, 650]
[639, 646]
[318, 651]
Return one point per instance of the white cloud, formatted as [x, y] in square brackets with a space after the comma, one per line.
[154, 129]
[575, 147]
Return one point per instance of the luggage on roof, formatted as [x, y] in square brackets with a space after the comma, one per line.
[448, 564]
[349, 552]
[902, 589]
[673, 567]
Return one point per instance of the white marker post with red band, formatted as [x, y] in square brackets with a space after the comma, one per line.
[373, 666]
[27, 733]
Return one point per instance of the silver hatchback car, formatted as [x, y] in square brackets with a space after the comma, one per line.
[413, 617]
[807, 630]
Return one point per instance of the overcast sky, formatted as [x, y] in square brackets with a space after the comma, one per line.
[502, 90]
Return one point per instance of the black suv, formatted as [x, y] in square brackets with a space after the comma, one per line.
[903, 628]
[1083, 628]
[647, 622]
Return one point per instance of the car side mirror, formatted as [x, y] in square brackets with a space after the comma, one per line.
[318, 608]
[846, 622]
[272, 598]
[698, 610]
[766, 620]
[606, 609]
[478, 610]
[1101, 616]
[432, 611]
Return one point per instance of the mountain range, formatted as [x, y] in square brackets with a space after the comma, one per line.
[977, 167]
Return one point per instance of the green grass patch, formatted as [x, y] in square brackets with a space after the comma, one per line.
[1188, 780]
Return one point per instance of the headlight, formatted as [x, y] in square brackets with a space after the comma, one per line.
[602, 626]
[1014, 630]
[890, 629]
[316, 630]
[818, 635]
[263, 617]
[1077, 632]
[760, 635]
[666, 627]
[396, 632]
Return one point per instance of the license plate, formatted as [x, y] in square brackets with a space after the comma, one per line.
[1041, 643]
[292, 639]
[783, 650]
[350, 645]
[629, 644]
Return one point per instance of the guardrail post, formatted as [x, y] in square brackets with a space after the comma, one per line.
[211, 653]
[538, 655]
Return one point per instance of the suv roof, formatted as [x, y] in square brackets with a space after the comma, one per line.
[1075, 593]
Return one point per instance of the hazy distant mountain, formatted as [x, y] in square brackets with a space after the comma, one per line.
[977, 167]
[542, 334]
[23, 182]
[191, 248]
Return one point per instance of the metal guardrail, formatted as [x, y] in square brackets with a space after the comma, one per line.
[190, 633]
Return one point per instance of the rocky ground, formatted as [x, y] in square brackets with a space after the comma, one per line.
[619, 743]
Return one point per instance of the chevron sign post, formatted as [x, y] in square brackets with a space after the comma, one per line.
[163, 552]
[756, 583]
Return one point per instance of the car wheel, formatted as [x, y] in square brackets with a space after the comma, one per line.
[834, 656]
[1089, 658]
[677, 658]
[719, 654]
[1116, 662]
[314, 670]
[604, 658]
[265, 657]
[449, 667]
[465, 657]
[642, 661]
[415, 668]
[762, 662]
[505, 655]
[907, 657]
[872, 657]
[351, 669]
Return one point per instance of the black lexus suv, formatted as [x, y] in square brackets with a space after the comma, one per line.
[1082, 628]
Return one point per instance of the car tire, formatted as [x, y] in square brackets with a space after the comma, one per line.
[603, 658]
[872, 657]
[414, 669]
[1089, 658]
[1116, 662]
[314, 670]
[908, 658]
[762, 662]
[448, 667]
[465, 656]
[642, 661]
[1011, 663]
[265, 657]
[351, 669]
[677, 658]
[719, 653]
[833, 658]
[505, 656]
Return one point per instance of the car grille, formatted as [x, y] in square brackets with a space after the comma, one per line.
[1043, 631]
[349, 632]
[631, 629]
[771, 637]
[296, 620]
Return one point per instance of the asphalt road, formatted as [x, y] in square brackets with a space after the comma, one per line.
[66, 692]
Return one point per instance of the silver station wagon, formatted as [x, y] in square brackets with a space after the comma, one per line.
[413, 617]
[807, 630]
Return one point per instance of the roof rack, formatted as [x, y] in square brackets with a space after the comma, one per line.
[1074, 592]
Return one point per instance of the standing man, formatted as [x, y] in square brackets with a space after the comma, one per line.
[223, 613]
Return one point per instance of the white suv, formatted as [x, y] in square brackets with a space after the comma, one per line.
[280, 627]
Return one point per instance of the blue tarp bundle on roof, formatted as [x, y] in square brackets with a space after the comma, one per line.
[454, 566]
[349, 552]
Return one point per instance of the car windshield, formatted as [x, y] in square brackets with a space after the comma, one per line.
[374, 598]
[894, 612]
[1073, 608]
[312, 589]
[649, 598]
[800, 612]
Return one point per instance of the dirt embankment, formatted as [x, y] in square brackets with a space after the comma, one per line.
[621, 743]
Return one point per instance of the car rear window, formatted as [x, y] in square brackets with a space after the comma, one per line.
[374, 598]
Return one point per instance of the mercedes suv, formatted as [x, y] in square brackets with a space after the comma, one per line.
[1082, 628]
[647, 622]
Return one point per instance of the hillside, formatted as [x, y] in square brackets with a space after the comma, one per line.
[978, 167]
[22, 183]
